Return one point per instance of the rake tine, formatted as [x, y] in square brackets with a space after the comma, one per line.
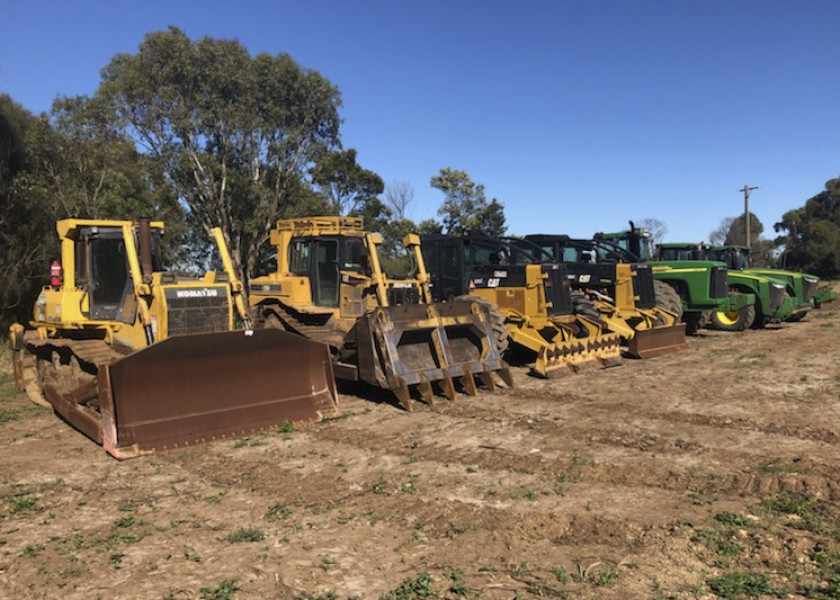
[403, 395]
[448, 386]
[468, 381]
[426, 391]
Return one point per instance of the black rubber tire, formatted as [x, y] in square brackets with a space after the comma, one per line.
[667, 298]
[582, 305]
[497, 320]
[746, 317]
[694, 321]
[797, 317]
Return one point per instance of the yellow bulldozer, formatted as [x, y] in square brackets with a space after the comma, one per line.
[329, 286]
[141, 359]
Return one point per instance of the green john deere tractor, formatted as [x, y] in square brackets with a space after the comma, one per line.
[806, 287]
[775, 295]
[702, 286]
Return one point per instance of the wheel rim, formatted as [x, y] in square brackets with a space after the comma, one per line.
[728, 318]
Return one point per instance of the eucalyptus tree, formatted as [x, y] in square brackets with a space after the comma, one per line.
[236, 135]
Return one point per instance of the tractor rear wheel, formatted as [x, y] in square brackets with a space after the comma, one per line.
[735, 320]
[667, 298]
[583, 306]
[497, 320]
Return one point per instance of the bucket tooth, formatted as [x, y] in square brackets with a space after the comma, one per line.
[506, 375]
[487, 380]
[448, 386]
[468, 382]
[403, 394]
[426, 391]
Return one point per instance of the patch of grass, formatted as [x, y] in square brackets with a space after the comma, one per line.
[779, 468]
[116, 559]
[413, 589]
[743, 583]
[245, 534]
[22, 505]
[560, 574]
[224, 591]
[9, 414]
[286, 427]
[734, 520]
[327, 563]
[806, 509]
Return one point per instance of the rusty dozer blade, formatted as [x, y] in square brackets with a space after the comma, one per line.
[649, 343]
[192, 389]
[424, 344]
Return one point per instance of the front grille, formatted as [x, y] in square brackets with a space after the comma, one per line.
[643, 287]
[558, 291]
[717, 286]
[777, 294]
[809, 289]
[197, 309]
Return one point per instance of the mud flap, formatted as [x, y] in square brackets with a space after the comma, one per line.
[192, 389]
[649, 343]
[425, 344]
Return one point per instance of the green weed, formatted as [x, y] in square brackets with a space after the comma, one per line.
[743, 583]
[224, 591]
[458, 586]
[245, 534]
[413, 589]
[278, 511]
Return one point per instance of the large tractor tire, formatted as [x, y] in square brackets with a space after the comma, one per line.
[497, 320]
[583, 306]
[736, 320]
[667, 298]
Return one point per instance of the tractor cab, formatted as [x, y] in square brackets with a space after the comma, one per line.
[736, 257]
[679, 252]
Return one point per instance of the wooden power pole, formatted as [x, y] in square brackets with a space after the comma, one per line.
[747, 189]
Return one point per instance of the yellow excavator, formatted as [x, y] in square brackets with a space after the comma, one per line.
[141, 359]
[329, 286]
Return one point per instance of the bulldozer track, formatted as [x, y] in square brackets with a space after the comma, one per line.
[290, 321]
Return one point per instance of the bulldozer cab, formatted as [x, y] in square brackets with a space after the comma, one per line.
[322, 259]
[101, 268]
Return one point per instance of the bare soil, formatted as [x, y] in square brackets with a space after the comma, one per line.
[708, 473]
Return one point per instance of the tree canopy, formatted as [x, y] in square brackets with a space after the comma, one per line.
[234, 134]
[810, 234]
[465, 205]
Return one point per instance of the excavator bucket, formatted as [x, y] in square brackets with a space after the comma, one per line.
[190, 389]
[425, 344]
[648, 343]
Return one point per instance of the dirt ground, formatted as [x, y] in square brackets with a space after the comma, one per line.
[709, 473]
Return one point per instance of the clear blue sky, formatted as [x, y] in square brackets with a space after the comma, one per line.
[577, 115]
